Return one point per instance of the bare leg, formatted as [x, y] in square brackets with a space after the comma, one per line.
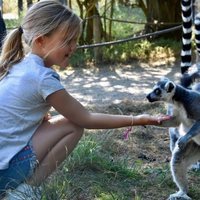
[53, 141]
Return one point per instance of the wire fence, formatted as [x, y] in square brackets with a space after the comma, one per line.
[148, 35]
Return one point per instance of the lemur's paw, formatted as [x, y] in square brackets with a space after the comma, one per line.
[182, 142]
[179, 196]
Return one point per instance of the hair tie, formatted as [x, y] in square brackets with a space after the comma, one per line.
[20, 29]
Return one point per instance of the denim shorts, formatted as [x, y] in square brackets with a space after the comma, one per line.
[21, 168]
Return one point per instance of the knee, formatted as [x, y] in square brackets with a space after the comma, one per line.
[76, 129]
[67, 126]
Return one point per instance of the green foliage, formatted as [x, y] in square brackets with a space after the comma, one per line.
[12, 23]
[122, 30]
[141, 50]
[82, 57]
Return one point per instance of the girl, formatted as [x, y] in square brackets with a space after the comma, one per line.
[32, 145]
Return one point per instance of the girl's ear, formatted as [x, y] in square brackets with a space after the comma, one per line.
[39, 45]
[40, 41]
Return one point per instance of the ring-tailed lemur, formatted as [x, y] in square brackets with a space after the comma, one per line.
[184, 106]
[184, 129]
[190, 15]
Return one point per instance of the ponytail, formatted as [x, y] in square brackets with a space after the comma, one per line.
[12, 51]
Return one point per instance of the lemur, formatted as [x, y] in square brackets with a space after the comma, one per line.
[184, 129]
[190, 15]
[184, 107]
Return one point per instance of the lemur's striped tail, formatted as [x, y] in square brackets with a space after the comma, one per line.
[189, 15]
[197, 33]
[187, 18]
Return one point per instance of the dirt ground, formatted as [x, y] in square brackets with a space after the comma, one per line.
[113, 84]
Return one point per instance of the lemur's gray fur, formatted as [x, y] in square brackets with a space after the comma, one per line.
[184, 131]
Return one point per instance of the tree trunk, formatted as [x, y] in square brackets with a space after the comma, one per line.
[20, 6]
[97, 34]
[111, 16]
[89, 26]
[70, 4]
[163, 14]
[29, 3]
[104, 20]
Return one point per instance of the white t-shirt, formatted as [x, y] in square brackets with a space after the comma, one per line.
[23, 94]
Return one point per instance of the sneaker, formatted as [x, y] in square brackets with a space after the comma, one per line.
[25, 192]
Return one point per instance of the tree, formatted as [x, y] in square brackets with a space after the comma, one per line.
[91, 18]
[29, 3]
[97, 36]
[20, 6]
[162, 14]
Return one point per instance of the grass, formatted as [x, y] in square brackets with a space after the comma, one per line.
[91, 174]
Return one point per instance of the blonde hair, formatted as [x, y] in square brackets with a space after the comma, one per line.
[42, 19]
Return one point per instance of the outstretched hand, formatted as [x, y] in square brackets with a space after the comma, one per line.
[147, 119]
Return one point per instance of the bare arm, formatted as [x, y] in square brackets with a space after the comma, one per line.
[69, 107]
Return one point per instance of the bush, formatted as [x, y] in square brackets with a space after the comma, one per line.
[142, 50]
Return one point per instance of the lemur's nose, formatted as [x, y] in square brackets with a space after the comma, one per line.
[149, 97]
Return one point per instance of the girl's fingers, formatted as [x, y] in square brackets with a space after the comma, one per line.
[164, 118]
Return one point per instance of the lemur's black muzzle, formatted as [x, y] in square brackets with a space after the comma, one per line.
[149, 97]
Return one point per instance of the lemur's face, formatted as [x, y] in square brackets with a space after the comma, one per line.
[163, 91]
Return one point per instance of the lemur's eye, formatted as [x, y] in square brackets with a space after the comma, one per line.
[157, 91]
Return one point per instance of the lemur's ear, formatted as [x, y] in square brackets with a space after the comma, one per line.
[169, 86]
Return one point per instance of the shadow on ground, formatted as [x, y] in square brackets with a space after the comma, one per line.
[111, 84]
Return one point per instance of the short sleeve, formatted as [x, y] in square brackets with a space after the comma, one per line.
[49, 84]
